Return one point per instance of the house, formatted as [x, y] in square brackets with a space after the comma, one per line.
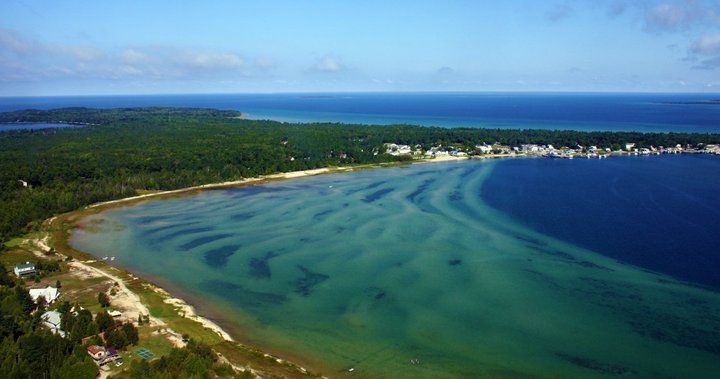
[104, 356]
[395, 149]
[52, 320]
[484, 149]
[24, 269]
[97, 352]
[111, 354]
[629, 146]
[49, 293]
[114, 313]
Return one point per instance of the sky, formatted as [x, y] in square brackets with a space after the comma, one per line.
[164, 47]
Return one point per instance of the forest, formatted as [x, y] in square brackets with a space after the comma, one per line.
[117, 152]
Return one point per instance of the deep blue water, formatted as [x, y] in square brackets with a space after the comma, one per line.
[660, 213]
[34, 126]
[619, 112]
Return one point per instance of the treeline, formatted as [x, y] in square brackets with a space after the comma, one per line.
[130, 149]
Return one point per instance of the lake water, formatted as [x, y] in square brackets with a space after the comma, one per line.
[33, 126]
[447, 270]
[618, 112]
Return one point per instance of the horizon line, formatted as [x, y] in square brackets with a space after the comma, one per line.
[371, 92]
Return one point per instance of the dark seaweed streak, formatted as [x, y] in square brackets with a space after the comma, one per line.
[305, 285]
[377, 195]
[218, 257]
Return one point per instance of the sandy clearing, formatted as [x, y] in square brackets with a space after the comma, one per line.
[124, 300]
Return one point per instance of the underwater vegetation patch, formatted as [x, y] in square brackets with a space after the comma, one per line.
[366, 188]
[242, 216]
[218, 257]
[456, 196]
[259, 267]
[149, 219]
[203, 241]
[468, 172]
[697, 328]
[377, 195]
[309, 281]
[591, 364]
[568, 258]
[244, 296]
[321, 215]
[177, 233]
[419, 190]
[167, 227]
[533, 241]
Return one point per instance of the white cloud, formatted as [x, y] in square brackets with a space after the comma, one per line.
[328, 64]
[133, 56]
[708, 44]
[81, 53]
[668, 17]
[26, 59]
[208, 59]
[13, 42]
[265, 63]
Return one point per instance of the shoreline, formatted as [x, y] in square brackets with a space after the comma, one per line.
[272, 177]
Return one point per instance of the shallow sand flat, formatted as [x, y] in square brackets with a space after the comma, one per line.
[405, 271]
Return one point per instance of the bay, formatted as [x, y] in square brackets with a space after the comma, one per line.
[409, 271]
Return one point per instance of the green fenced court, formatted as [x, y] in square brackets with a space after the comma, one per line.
[144, 353]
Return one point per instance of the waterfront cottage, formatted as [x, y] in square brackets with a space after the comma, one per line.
[24, 269]
[484, 149]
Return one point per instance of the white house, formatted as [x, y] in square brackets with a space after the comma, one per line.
[24, 269]
[52, 320]
[483, 148]
[49, 293]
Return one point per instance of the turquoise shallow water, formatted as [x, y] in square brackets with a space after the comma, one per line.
[405, 271]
